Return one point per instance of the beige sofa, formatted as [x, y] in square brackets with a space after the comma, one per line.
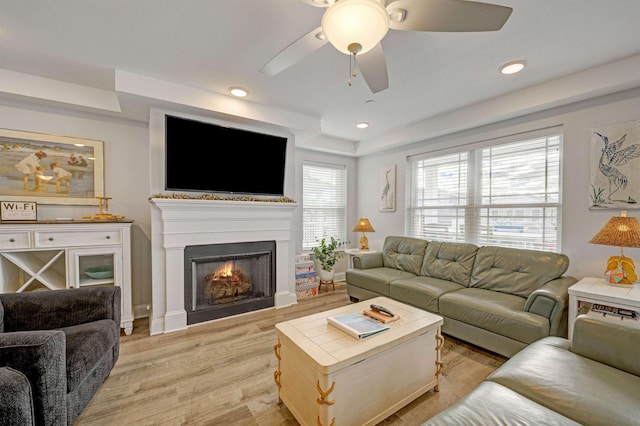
[594, 379]
[501, 299]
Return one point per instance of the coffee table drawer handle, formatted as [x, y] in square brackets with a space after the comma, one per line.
[275, 349]
[333, 422]
[323, 394]
[440, 341]
[276, 378]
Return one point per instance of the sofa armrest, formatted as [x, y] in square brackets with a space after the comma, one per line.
[47, 310]
[551, 301]
[16, 404]
[41, 357]
[368, 261]
[616, 344]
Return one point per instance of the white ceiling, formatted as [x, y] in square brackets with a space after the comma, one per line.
[185, 54]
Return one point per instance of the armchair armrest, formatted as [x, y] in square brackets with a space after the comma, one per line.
[551, 301]
[613, 343]
[368, 261]
[46, 310]
[16, 404]
[41, 357]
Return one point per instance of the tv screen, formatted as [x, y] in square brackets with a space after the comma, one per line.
[206, 157]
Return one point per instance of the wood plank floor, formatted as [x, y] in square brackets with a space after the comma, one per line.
[221, 373]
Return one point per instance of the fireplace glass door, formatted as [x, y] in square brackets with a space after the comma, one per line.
[228, 279]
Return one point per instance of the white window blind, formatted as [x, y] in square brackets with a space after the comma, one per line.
[503, 195]
[324, 199]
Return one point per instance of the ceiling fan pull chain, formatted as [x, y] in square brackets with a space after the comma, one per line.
[354, 48]
[352, 69]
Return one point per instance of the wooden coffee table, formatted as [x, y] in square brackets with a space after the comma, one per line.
[326, 377]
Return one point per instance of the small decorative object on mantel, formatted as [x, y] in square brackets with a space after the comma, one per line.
[103, 214]
[620, 231]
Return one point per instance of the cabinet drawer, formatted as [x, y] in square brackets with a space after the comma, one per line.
[78, 238]
[14, 240]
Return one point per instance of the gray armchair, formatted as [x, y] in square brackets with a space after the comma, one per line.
[56, 350]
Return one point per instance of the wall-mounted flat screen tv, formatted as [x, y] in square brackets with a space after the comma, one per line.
[206, 157]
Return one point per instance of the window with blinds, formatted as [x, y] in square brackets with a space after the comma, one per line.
[324, 203]
[503, 195]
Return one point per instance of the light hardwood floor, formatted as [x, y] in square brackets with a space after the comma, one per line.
[221, 373]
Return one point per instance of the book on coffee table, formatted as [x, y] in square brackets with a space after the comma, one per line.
[357, 325]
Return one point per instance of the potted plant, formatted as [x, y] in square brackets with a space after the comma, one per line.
[326, 255]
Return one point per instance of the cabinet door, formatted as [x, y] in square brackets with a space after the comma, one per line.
[95, 266]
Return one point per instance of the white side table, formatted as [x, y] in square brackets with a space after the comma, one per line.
[596, 290]
[355, 252]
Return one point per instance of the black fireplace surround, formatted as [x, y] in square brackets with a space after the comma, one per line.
[222, 280]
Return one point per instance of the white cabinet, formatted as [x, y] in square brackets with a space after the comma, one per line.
[55, 256]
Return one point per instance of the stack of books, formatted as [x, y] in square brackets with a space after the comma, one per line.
[305, 276]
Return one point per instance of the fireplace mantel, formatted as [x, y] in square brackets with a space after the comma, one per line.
[177, 223]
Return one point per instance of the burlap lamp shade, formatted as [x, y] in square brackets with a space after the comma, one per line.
[621, 231]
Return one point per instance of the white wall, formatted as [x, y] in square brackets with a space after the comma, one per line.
[579, 224]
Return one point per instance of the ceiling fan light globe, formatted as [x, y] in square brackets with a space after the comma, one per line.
[365, 22]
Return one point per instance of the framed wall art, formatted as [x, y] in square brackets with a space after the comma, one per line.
[388, 188]
[615, 166]
[50, 169]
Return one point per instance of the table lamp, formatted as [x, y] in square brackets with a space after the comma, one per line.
[621, 231]
[363, 226]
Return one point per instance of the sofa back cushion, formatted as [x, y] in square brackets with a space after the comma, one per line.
[516, 271]
[449, 261]
[404, 253]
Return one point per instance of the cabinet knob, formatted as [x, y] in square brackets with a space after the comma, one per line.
[50, 238]
[12, 240]
[108, 237]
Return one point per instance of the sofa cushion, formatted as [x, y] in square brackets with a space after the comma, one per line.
[404, 253]
[516, 271]
[423, 292]
[87, 345]
[493, 404]
[449, 261]
[375, 279]
[497, 312]
[577, 387]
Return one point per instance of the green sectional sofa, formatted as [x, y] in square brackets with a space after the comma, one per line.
[594, 379]
[501, 299]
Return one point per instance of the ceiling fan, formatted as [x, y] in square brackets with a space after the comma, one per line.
[356, 27]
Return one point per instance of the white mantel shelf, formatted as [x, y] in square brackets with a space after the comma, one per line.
[177, 223]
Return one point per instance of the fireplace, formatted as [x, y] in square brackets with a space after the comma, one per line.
[180, 223]
[228, 279]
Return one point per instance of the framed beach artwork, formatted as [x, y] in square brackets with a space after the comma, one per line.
[50, 169]
[388, 188]
[615, 166]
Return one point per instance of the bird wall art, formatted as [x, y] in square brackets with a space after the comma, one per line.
[615, 168]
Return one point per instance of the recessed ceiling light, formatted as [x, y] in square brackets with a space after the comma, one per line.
[238, 92]
[362, 125]
[513, 67]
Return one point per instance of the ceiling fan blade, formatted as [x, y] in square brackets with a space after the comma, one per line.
[297, 50]
[448, 15]
[373, 68]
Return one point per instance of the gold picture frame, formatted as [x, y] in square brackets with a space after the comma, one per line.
[50, 169]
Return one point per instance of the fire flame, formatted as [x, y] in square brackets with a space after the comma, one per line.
[226, 271]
